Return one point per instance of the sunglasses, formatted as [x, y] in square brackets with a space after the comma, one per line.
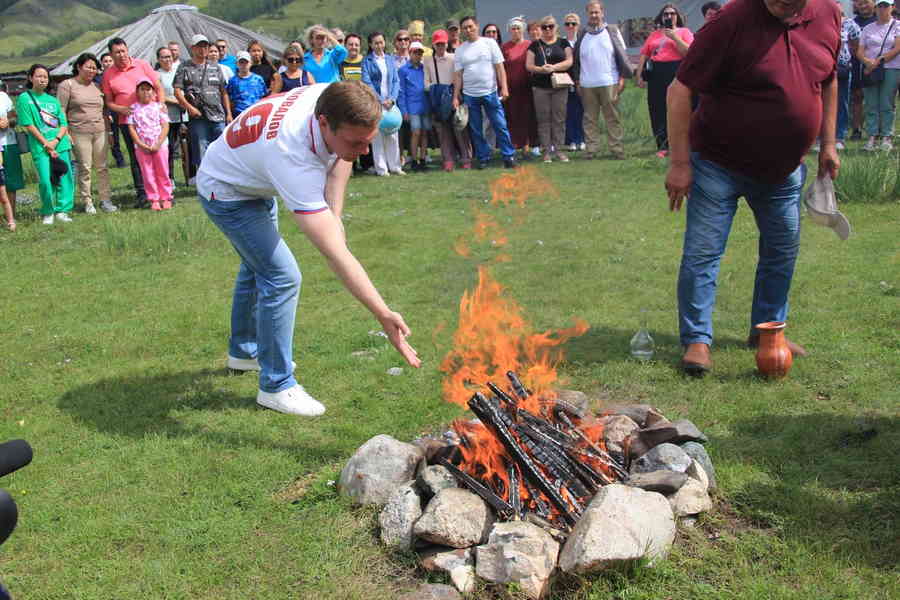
[571, 24]
[403, 39]
[295, 59]
[548, 27]
[221, 47]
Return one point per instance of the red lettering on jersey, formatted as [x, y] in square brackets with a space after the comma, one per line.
[249, 126]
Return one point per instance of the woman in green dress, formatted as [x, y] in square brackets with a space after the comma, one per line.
[44, 120]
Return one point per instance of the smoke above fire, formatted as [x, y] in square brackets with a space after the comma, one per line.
[493, 336]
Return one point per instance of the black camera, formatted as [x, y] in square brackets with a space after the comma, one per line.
[668, 22]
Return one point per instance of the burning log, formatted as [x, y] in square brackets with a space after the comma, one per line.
[500, 506]
[515, 499]
[489, 415]
[517, 385]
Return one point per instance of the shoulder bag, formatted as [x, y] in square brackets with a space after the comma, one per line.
[648, 64]
[440, 97]
[877, 74]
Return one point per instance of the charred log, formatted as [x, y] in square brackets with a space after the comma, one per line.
[500, 506]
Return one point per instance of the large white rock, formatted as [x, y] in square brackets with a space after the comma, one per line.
[455, 517]
[518, 552]
[458, 563]
[690, 499]
[697, 472]
[399, 515]
[620, 525]
[378, 468]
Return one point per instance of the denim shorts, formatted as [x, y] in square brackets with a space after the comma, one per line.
[420, 122]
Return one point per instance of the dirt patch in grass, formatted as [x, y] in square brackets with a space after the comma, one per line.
[295, 490]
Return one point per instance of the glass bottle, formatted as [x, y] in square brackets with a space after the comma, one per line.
[642, 342]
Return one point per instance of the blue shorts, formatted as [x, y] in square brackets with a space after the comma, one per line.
[420, 122]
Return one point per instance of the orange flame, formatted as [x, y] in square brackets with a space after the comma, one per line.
[493, 337]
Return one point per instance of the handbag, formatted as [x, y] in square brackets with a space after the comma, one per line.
[49, 119]
[561, 80]
[22, 142]
[440, 96]
[876, 76]
[648, 64]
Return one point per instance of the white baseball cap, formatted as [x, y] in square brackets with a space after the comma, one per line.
[821, 206]
[198, 38]
[243, 55]
[417, 45]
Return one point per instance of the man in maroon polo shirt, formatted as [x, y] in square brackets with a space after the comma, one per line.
[765, 74]
[119, 85]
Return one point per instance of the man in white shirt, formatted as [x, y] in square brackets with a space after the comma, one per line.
[600, 69]
[300, 146]
[478, 73]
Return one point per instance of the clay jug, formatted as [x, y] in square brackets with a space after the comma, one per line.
[773, 357]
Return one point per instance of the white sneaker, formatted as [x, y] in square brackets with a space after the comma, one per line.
[886, 145]
[89, 209]
[47, 220]
[107, 206]
[292, 401]
[815, 148]
[582, 146]
[247, 364]
[64, 217]
[870, 145]
[192, 181]
[573, 147]
[840, 145]
[398, 172]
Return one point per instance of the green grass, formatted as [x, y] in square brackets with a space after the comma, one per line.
[156, 476]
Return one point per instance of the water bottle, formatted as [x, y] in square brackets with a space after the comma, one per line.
[642, 342]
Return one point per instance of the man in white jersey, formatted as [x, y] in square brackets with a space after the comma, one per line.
[300, 146]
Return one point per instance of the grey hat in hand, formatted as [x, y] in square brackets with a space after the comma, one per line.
[821, 206]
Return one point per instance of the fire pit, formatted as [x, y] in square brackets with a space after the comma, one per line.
[540, 481]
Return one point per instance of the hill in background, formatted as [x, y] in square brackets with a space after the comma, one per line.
[50, 31]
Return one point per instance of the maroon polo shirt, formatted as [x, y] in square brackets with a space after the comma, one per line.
[760, 84]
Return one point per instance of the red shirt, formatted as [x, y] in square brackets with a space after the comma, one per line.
[760, 84]
[120, 85]
[661, 49]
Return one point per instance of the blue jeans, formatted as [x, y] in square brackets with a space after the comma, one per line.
[266, 289]
[494, 109]
[879, 104]
[843, 114]
[203, 133]
[710, 210]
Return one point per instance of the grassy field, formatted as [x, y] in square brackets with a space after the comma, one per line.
[302, 13]
[155, 474]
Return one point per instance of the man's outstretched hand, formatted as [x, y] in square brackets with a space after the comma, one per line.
[397, 331]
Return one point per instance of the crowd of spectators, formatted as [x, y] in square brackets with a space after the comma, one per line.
[528, 89]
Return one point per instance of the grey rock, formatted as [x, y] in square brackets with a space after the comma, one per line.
[434, 478]
[620, 525]
[378, 468]
[615, 429]
[431, 446]
[642, 414]
[432, 591]
[676, 432]
[698, 453]
[395, 371]
[456, 518]
[695, 471]
[518, 552]
[691, 499]
[458, 563]
[577, 399]
[664, 482]
[665, 457]
[399, 515]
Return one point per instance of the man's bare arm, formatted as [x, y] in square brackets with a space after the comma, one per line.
[678, 111]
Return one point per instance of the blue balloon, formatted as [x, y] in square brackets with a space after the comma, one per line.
[391, 120]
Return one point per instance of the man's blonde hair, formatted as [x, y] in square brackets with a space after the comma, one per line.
[349, 103]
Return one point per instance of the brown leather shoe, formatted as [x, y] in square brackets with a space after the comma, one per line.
[796, 349]
[696, 360]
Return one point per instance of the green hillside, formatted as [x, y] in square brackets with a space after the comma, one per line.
[290, 21]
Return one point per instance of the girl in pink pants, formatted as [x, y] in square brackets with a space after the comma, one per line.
[148, 125]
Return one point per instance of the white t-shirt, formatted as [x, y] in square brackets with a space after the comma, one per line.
[381, 63]
[8, 135]
[273, 147]
[476, 60]
[598, 61]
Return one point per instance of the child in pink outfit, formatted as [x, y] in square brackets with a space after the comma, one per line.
[148, 125]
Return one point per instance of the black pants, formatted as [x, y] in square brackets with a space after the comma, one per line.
[140, 194]
[661, 76]
[174, 140]
[9, 515]
[115, 128]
